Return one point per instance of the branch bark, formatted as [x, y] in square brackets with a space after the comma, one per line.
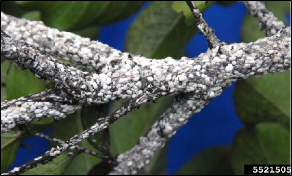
[83, 53]
[133, 76]
[33, 108]
[266, 19]
[101, 125]
[109, 74]
[207, 31]
[130, 162]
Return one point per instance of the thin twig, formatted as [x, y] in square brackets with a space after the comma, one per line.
[33, 108]
[79, 148]
[266, 19]
[183, 108]
[207, 31]
[101, 125]
[126, 76]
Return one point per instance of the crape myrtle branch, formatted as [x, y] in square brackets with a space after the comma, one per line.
[165, 127]
[183, 108]
[83, 53]
[133, 76]
[123, 89]
[101, 125]
[78, 148]
[91, 55]
[177, 115]
[283, 66]
[207, 31]
[266, 19]
[34, 107]
[41, 65]
[129, 77]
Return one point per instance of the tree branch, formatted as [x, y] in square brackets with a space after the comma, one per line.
[83, 53]
[101, 125]
[207, 31]
[131, 77]
[266, 19]
[33, 108]
[184, 107]
[78, 148]
[122, 75]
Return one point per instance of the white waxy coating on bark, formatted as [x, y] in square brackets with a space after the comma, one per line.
[229, 68]
[239, 53]
[104, 83]
[24, 110]
[265, 18]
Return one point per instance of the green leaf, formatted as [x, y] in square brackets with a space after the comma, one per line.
[158, 163]
[266, 143]
[250, 31]
[60, 164]
[22, 83]
[32, 15]
[3, 93]
[156, 33]
[213, 161]
[246, 150]
[89, 32]
[279, 8]
[181, 6]
[125, 133]
[55, 167]
[4, 68]
[82, 163]
[89, 116]
[159, 31]
[69, 15]
[12, 8]
[264, 100]
[270, 134]
[9, 147]
[118, 10]
[102, 168]
[41, 125]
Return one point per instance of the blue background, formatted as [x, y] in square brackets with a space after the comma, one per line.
[215, 125]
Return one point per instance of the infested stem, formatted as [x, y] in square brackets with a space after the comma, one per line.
[109, 74]
[266, 19]
[207, 31]
[78, 148]
[101, 125]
